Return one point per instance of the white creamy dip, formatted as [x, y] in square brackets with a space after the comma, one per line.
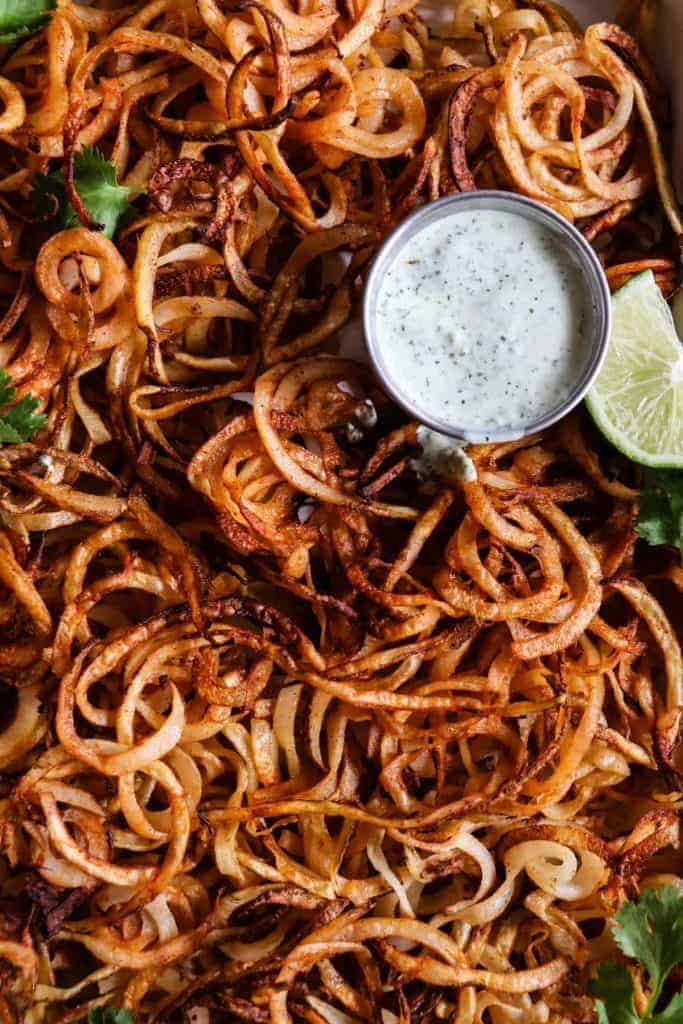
[483, 320]
[441, 456]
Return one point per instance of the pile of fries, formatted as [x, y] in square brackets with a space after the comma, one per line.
[288, 734]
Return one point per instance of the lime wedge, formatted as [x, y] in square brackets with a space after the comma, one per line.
[637, 398]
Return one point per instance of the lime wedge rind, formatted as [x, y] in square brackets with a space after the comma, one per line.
[637, 398]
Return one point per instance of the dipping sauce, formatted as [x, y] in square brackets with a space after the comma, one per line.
[441, 456]
[483, 320]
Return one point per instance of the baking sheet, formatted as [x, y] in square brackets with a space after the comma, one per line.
[585, 11]
[591, 10]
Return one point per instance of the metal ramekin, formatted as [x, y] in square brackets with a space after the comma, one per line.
[567, 235]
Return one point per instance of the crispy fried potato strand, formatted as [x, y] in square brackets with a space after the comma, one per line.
[289, 736]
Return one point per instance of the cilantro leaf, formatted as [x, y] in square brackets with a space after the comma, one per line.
[19, 18]
[673, 1014]
[51, 202]
[95, 178]
[660, 519]
[614, 988]
[20, 421]
[650, 931]
[109, 1015]
[105, 199]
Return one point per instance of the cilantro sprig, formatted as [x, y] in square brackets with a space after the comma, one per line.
[20, 18]
[106, 201]
[650, 931]
[660, 519]
[109, 1015]
[20, 421]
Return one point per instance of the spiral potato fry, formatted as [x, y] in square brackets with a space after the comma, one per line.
[289, 735]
